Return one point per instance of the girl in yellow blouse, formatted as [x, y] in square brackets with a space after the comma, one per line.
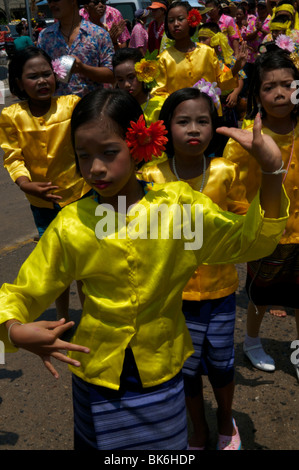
[131, 343]
[186, 62]
[35, 137]
[209, 297]
[273, 280]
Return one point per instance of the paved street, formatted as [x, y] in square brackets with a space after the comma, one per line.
[36, 409]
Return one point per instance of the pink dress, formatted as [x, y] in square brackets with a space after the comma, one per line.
[254, 44]
[139, 37]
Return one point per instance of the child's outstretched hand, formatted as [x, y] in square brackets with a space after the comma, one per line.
[267, 153]
[261, 146]
[43, 190]
[42, 338]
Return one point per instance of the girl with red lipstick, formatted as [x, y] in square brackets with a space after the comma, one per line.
[129, 348]
[209, 305]
[35, 138]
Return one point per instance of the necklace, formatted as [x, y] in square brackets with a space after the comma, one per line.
[291, 155]
[203, 172]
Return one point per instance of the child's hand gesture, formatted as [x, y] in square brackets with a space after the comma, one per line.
[261, 146]
[241, 58]
[267, 153]
[42, 338]
[40, 189]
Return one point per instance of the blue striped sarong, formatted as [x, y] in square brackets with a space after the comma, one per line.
[131, 418]
[211, 325]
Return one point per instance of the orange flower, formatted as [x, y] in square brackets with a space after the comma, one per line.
[194, 18]
[144, 142]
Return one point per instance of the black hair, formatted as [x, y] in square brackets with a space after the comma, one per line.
[16, 66]
[172, 102]
[212, 26]
[214, 2]
[286, 2]
[240, 7]
[124, 54]
[117, 105]
[174, 5]
[20, 28]
[281, 17]
[275, 58]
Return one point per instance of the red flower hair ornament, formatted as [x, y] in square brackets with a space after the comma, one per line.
[146, 142]
[194, 18]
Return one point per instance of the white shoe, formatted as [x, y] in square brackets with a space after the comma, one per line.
[259, 358]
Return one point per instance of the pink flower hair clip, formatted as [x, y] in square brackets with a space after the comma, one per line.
[209, 89]
[59, 69]
[285, 42]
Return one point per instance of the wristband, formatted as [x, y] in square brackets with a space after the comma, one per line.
[9, 328]
[276, 172]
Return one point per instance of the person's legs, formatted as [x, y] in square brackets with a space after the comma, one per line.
[62, 305]
[195, 407]
[224, 397]
[252, 346]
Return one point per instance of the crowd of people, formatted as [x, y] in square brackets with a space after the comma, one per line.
[191, 105]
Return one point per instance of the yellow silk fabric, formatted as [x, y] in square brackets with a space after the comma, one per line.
[41, 149]
[223, 186]
[133, 287]
[180, 70]
[250, 174]
[151, 109]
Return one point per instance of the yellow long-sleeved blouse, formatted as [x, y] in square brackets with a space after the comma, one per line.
[250, 174]
[223, 186]
[133, 285]
[41, 149]
[179, 70]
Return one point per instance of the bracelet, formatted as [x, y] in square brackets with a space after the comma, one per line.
[276, 172]
[9, 328]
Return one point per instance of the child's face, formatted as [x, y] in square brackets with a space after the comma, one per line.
[177, 22]
[104, 158]
[275, 92]
[191, 128]
[126, 78]
[38, 79]
[204, 40]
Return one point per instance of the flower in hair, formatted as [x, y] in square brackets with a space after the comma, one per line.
[59, 69]
[144, 142]
[147, 70]
[209, 89]
[194, 18]
[285, 42]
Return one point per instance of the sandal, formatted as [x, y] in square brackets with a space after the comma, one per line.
[229, 442]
